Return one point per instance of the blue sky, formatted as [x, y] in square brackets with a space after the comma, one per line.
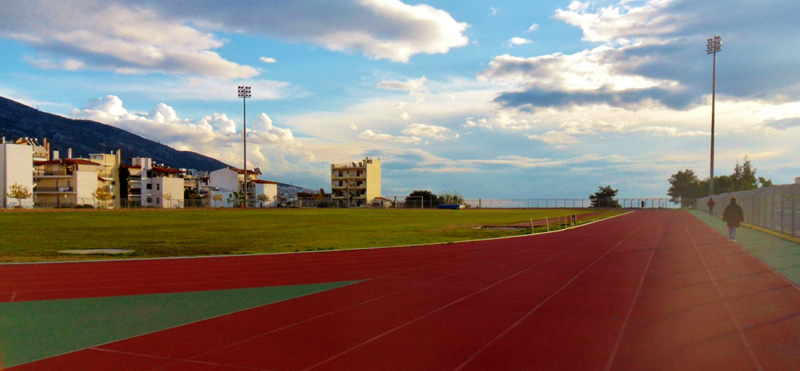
[494, 99]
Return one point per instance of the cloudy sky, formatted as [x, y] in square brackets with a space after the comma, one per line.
[494, 99]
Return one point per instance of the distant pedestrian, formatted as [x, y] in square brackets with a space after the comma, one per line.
[711, 204]
[643, 204]
[734, 216]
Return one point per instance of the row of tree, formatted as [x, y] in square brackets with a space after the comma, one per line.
[685, 187]
[431, 200]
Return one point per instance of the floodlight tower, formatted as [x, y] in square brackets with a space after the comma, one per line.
[714, 46]
[244, 93]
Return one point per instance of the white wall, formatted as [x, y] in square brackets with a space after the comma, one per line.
[84, 183]
[224, 182]
[271, 190]
[16, 167]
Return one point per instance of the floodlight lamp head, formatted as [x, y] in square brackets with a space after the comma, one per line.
[244, 91]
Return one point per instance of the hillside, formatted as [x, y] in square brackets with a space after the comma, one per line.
[85, 137]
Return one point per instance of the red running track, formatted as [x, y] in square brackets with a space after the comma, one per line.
[647, 290]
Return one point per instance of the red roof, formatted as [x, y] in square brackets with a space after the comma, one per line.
[240, 171]
[67, 161]
[259, 181]
[132, 166]
[167, 170]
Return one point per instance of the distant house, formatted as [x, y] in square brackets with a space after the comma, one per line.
[229, 182]
[381, 202]
[15, 168]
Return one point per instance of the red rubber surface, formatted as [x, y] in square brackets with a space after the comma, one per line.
[647, 290]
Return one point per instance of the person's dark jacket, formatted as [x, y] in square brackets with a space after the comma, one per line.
[733, 215]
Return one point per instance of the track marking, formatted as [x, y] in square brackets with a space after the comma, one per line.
[506, 331]
[174, 360]
[750, 350]
[13, 295]
[633, 302]
[442, 308]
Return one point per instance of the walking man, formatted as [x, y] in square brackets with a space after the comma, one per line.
[734, 216]
[711, 204]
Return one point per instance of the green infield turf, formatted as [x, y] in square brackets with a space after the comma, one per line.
[39, 235]
[39, 329]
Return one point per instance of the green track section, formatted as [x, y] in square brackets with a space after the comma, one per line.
[780, 254]
[35, 330]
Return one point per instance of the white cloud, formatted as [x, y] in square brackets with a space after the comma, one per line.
[588, 70]
[415, 88]
[614, 23]
[493, 10]
[116, 37]
[533, 27]
[517, 41]
[214, 135]
[426, 131]
[267, 60]
[378, 136]
[138, 36]
[555, 138]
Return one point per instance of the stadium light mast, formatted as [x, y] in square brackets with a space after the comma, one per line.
[244, 93]
[714, 45]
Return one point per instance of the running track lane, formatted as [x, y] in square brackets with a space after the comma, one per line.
[648, 290]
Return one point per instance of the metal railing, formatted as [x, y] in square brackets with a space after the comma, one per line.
[776, 208]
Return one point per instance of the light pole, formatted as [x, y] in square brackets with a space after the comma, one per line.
[244, 93]
[714, 46]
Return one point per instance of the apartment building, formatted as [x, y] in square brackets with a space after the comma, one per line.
[149, 185]
[66, 182]
[108, 173]
[228, 182]
[15, 168]
[355, 184]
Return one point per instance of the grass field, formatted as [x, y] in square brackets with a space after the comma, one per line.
[39, 235]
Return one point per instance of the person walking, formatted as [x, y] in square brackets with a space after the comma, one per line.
[734, 216]
[711, 204]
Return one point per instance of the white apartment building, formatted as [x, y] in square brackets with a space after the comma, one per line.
[16, 163]
[355, 184]
[154, 186]
[229, 182]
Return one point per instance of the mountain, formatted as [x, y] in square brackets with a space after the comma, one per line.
[85, 137]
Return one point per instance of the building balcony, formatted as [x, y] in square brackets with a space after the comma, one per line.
[38, 189]
[52, 174]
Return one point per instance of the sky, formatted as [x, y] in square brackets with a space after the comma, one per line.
[492, 99]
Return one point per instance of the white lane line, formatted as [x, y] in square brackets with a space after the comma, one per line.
[633, 303]
[750, 350]
[487, 345]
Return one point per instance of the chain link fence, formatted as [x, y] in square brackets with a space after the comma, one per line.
[776, 208]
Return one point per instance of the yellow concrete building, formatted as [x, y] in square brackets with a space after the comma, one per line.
[355, 184]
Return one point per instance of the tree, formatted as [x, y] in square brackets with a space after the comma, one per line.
[684, 188]
[236, 198]
[263, 199]
[191, 194]
[19, 192]
[168, 197]
[428, 198]
[217, 198]
[103, 195]
[605, 197]
[451, 198]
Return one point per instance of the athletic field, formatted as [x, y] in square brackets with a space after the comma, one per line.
[644, 290]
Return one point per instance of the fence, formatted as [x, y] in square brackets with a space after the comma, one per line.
[776, 208]
[567, 203]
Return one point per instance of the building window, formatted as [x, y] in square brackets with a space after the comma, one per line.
[149, 186]
[158, 201]
[158, 187]
[341, 183]
[149, 200]
[340, 173]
